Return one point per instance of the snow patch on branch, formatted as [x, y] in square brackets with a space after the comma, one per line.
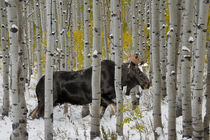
[171, 29]
[184, 48]
[14, 26]
[95, 53]
[163, 26]
[191, 39]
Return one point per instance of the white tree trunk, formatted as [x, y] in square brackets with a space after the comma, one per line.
[207, 95]
[48, 112]
[118, 65]
[85, 109]
[105, 29]
[197, 123]
[96, 73]
[163, 49]
[71, 28]
[135, 47]
[156, 66]
[38, 37]
[16, 34]
[111, 30]
[186, 80]
[179, 74]
[171, 70]
[29, 39]
[5, 59]
[20, 74]
[141, 33]
[13, 34]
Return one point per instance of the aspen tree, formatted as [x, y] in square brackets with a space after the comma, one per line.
[207, 95]
[5, 58]
[48, 112]
[118, 65]
[185, 70]
[38, 37]
[197, 123]
[85, 109]
[135, 47]
[96, 72]
[156, 66]
[163, 50]
[111, 30]
[180, 8]
[171, 70]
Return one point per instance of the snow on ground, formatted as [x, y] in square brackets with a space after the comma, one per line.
[72, 126]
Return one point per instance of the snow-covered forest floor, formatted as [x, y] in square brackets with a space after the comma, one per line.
[73, 126]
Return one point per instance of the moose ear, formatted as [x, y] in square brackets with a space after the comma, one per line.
[136, 60]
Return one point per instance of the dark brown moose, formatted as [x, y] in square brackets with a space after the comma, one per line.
[74, 87]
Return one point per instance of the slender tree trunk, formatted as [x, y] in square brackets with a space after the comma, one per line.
[141, 33]
[71, 28]
[105, 28]
[179, 41]
[186, 80]
[38, 37]
[85, 109]
[118, 66]
[21, 79]
[13, 34]
[197, 123]
[194, 35]
[5, 60]
[61, 33]
[16, 33]
[29, 39]
[96, 72]
[171, 70]
[207, 95]
[163, 49]
[111, 26]
[156, 66]
[135, 47]
[48, 114]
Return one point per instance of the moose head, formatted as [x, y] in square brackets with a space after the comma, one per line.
[133, 74]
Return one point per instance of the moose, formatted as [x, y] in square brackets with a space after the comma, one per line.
[74, 87]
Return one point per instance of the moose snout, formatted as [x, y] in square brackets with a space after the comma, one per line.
[147, 86]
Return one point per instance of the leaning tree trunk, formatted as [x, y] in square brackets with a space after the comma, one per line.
[38, 37]
[171, 70]
[118, 66]
[155, 66]
[85, 109]
[207, 95]
[5, 60]
[197, 123]
[48, 114]
[96, 73]
[185, 81]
